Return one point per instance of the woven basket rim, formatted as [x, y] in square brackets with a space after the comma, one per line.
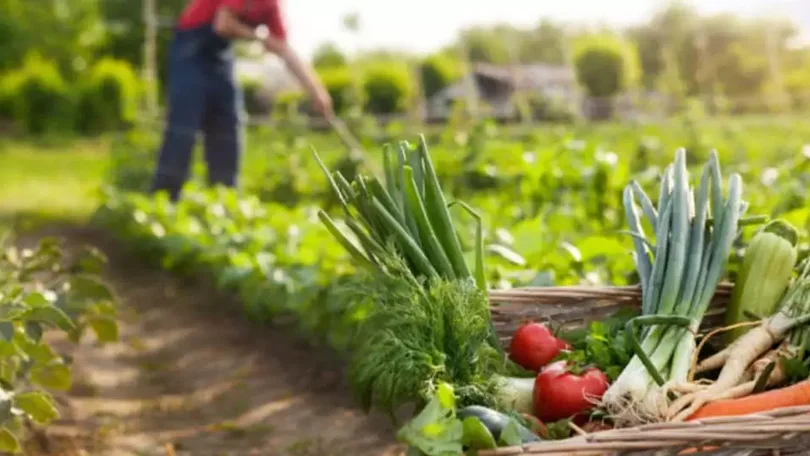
[784, 428]
[548, 294]
[779, 429]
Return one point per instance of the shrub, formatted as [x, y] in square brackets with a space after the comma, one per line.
[289, 103]
[108, 96]
[605, 64]
[256, 102]
[340, 84]
[6, 99]
[437, 72]
[328, 55]
[551, 109]
[37, 96]
[387, 88]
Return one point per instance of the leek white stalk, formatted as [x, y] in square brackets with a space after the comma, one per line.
[516, 393]
[689, 259]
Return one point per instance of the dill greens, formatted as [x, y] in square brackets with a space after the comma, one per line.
[417, 336]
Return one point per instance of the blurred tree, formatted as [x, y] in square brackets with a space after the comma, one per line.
[339, 82]
[328, 55]
[605, 64]
[125, 30]
[437, 72]
[387, 88]
[68, 33]
[543, 44]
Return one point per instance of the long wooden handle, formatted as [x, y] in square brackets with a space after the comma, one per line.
[345, 135]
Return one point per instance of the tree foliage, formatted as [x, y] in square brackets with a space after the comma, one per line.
[38, 97]
[437, 72]
[328, 55]
[605, 64]
[108, 96]
[679, 51]
[340, 83]
[387, 88]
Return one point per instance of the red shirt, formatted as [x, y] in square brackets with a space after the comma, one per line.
[267, 12]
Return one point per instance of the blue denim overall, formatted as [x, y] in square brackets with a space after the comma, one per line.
[202, 95]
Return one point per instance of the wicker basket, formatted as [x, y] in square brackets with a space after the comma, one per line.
[783, 431]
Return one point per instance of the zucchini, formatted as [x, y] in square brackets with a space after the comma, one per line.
[496, 422]
[765, 274]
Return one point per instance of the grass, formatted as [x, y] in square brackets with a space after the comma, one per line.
[50, 180]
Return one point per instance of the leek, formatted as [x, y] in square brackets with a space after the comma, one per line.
[677, 283]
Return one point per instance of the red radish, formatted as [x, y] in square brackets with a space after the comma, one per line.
[533, 346]
[561, 393]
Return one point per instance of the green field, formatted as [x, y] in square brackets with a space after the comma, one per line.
[550, 199]
[55, 180]
[59, 178]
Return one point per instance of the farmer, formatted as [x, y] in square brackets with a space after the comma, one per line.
[203, 93]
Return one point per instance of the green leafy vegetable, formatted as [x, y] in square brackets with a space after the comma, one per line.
[415, 337]
[436, 431]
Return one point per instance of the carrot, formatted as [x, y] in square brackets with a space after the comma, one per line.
[789, 396]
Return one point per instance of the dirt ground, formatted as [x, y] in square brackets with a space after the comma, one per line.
[190, 376]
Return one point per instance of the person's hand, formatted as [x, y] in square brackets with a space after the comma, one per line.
[275, 46]
[322, 102]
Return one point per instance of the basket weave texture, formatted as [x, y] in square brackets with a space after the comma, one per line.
[782, 432]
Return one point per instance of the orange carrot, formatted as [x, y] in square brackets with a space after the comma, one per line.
[789, 396]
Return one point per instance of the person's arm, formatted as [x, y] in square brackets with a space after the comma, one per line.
[276, 43]
[228, 25]
[300, 69]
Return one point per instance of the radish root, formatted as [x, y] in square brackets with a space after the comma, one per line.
[741, 354]
[717, 360]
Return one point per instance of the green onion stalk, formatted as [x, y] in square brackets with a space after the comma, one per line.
[678, 277]
[405, 215]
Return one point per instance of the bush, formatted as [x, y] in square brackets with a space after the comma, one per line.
[256, 101]
[551, 109]
[387, 88]
[437, 72]
[37, 96]
[289, 104]
[340, 84]
[108, 96]
[797, 84]
[605, 64]
[328, 55]
[6, 99]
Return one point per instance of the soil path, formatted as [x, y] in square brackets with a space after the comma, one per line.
[189, 376]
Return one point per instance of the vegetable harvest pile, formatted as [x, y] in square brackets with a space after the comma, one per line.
[410, 309]
[430, 341]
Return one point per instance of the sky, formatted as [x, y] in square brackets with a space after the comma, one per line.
[425, 25]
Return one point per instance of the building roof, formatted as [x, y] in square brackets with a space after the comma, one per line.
[532, 76]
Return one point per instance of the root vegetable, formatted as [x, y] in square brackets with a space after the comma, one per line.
[748, 348]
[790, 396]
